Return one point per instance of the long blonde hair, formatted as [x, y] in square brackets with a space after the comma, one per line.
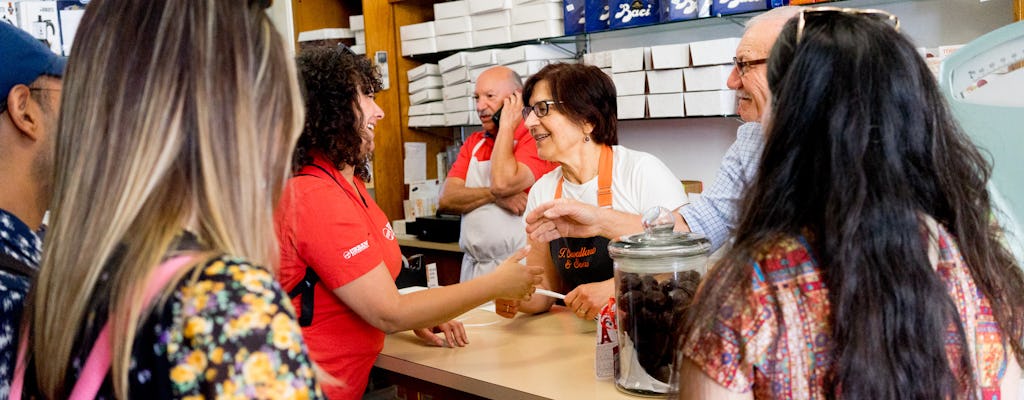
[175, 113]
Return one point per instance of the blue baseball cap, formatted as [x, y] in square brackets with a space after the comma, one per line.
[24, 58]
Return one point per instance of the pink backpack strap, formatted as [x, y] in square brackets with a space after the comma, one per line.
[98, 363]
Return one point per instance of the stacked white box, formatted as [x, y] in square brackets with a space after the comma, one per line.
[462, 118]
[491, 20]
[630, 83]
[423, 70]
[536, 12]
[457, 75]
[455, 41]
[453, 61]
[670, 56]
[600, 59]
[419, 46]
[417, 31]
[631, 59]
[715, 102]
[483, 6]
[449, 26]
[527, 68]
[712, 52]
[425, 96]
[326, 34]
[482, 58]
[490, 37]
[533, 52]
[665, 81]
[463, 89]
[451, 9]
[427, 120]
[459, 118]
[418, 38]
[356, 23]
[434, 107]
[459, 104]
[424, 83]
[714, 77]
[631, 107]
[666, 105]
[538, 30]
[359, 49]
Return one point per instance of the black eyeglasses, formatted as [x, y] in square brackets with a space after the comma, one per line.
[743, 66]
[869, 12]
[541, 108]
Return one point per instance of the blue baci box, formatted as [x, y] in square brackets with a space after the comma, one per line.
[727, 7]
[626, 13]
[681, 10]
[573, 16]
[597, 15]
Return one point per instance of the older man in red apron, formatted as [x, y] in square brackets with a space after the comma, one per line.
[489, 181]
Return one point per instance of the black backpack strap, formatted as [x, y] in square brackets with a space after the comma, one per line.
[305, 289]
[15, 266]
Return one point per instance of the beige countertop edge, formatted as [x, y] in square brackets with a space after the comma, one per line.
[411, 241]
[450, 379]
[549, 355]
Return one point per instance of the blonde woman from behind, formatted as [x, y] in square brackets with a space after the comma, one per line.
[179, 119]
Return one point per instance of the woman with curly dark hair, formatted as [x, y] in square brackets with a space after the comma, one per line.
[338, 245]
[866, 264]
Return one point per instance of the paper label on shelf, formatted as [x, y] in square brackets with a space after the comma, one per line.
[432, 275]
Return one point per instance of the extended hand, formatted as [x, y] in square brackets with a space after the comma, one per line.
[586, 300]
[516, 281]
[563, 218]
[454, 335]
[514, 204]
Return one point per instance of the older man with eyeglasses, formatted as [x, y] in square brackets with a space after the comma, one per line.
[714, 214]
[30, 88]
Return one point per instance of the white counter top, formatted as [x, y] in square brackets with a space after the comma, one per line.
[530, 357]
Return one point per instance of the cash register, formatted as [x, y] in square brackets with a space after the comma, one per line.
[437, 228]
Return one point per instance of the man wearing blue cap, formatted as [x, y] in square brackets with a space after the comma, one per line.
[30, 89]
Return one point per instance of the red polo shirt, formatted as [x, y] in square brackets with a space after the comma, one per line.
[524, 150]
[326, 223]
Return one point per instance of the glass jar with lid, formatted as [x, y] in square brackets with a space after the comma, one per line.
[656, 275]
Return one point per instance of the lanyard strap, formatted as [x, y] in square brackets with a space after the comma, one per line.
[98, 363]
[604, 179]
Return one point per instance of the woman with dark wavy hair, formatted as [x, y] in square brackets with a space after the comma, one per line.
[866, 264]
[337, 243]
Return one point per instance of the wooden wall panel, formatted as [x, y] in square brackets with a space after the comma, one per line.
[318, 14]
[383, 20]
[1018, 10]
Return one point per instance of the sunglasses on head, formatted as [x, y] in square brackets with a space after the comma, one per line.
[867, 12]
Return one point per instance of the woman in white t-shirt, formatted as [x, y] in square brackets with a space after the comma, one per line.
[571, 115]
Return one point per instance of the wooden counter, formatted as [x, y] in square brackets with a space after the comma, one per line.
[530, 357]
[412, 241]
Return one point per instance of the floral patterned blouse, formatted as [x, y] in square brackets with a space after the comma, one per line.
[231, 334]
[776, 339]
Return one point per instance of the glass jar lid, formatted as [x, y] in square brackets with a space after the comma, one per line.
[659, 239]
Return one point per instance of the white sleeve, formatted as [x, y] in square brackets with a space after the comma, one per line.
[651, 184]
